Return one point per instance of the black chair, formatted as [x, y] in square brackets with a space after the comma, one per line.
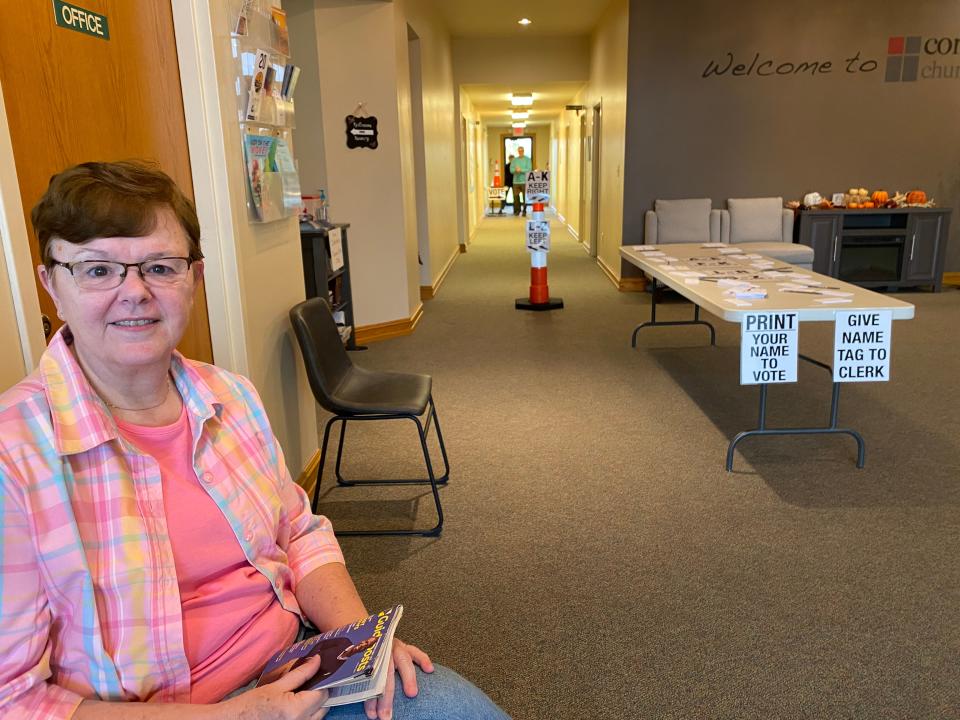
[353, 393]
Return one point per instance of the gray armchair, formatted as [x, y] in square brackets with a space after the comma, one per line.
[682, 221]
[764, 226]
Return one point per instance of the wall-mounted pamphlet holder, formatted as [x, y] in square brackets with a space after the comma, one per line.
[265, 84]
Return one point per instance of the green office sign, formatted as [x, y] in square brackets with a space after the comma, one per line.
[76, 18]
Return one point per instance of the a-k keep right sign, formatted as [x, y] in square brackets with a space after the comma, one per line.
[861, 346]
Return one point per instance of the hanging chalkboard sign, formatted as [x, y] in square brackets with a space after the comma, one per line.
[361, 132]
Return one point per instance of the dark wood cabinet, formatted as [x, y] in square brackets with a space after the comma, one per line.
[320, 280]
[896, 247]
[925, 252]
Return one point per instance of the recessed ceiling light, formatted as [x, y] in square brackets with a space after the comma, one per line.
[520, 114]
[523, 21]
[520, 125]
[521, 99]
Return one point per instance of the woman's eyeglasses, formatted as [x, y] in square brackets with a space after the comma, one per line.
[106, 275]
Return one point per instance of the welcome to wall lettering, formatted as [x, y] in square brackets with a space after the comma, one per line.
[770, 66]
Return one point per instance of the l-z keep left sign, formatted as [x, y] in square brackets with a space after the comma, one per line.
[768, 348]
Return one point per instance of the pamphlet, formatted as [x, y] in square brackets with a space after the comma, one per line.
[336, 249]
[257, 81]
[283, 34]
[355, 659]
[256, 150]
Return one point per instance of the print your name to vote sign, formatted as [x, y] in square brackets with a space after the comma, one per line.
[861, 346]
[768, 348]
[361, 132]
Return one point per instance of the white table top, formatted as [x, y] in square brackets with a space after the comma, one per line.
[784, 283]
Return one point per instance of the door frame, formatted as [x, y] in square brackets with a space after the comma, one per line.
[595, 180]
[17, 262]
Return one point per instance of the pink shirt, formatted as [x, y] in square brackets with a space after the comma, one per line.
[232, 620]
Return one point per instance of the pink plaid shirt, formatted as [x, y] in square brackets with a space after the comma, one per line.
[89, 601]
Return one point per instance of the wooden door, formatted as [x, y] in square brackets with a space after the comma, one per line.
[73, 97]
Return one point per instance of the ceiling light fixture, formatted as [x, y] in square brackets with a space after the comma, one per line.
[519, 125]
[521, 99]
[523, 21]
[520, 114]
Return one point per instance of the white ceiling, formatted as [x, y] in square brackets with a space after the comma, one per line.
[492, 102]
[484, 18]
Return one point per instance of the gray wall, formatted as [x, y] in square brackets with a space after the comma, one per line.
[750, 135]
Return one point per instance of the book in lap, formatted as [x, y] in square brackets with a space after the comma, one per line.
[354, 659]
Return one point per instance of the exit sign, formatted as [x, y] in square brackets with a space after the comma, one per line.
[80, 20]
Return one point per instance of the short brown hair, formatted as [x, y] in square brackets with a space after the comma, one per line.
[110, 199]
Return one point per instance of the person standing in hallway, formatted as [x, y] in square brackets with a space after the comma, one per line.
[507, 183]
[519, 167]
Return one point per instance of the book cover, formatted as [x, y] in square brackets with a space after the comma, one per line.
[256, 151]
[355, 659]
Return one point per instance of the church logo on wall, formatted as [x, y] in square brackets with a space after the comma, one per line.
[903, 58]
[904, 53]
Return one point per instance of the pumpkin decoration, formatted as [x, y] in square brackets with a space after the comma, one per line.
[868, 204]
[916, 197]
[879, 197]
[853, 205]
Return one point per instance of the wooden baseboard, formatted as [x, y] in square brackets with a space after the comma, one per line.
[308, 477]
[428, 292]
[384, 331]
[629, 284]
[573, 232]
[951, 278]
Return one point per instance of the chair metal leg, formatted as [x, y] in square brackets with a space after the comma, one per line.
[323, 459]
[423, 429]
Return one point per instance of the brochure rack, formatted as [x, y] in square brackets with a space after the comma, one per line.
[265, 83]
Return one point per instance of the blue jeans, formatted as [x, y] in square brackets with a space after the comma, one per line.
[443, 695]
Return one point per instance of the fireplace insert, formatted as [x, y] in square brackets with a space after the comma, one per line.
[871, 259]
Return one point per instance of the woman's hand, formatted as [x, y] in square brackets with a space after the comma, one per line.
[403, 659]
[278, 701]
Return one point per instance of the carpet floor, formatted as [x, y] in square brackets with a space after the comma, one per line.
[597, 560]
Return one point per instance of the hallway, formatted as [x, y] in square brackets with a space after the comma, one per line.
[597, 561]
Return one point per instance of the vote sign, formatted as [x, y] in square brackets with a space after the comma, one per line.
[768, 348]
[496, 193]
[361, 132]
[861, 346]
[538, 235]
[538, 186]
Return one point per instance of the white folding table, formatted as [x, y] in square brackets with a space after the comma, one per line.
[676, 266]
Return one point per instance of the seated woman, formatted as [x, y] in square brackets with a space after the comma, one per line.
[153, 547]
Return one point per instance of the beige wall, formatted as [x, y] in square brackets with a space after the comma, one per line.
[494, 60]
[371, 189]
[608, 86]
[269, 273]
[475, 187]
[439, 131]
[567, 200]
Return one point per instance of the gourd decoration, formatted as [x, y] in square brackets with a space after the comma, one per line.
[879, 197]
[868, 204]
[916, 197]
[853, 205]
